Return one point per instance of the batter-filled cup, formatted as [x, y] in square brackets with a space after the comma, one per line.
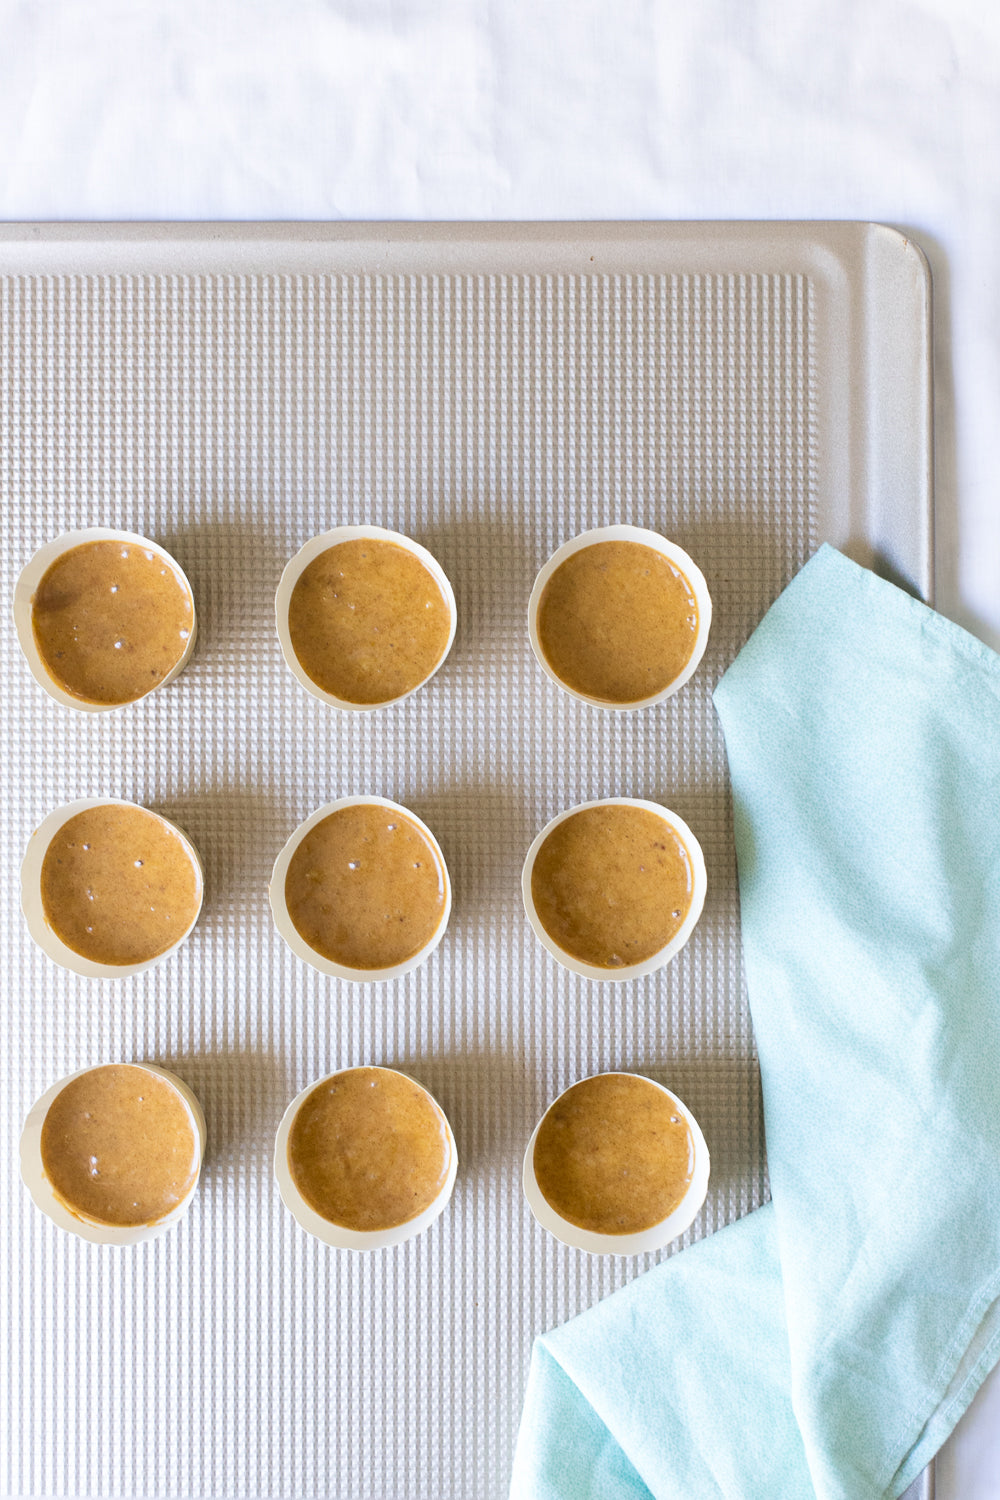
[619, 617]
[614, 888]
[113, 1153]
[109, 888]
[104, 618]
[361, 890]
[365, 1159]
[365, 616]
[617, 1165]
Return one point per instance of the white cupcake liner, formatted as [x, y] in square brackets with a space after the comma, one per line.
[645, 1241]
[45, 935]
[297, 566]
[24, 592]
[675, 555]
[336, 1235]
[286, 927]
[44, 1196]
[665, 954]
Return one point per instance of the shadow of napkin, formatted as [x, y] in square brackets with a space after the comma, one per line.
[827, 1344]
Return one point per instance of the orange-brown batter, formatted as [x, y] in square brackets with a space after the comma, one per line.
[612, 884]
[365, 888]
[617, 622]
[369, 1149]
[367, 621]
[118, 885]
[118, 1146]
[613, 1155]
[110, 621]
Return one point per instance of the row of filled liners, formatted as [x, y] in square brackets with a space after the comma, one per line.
[619, 617]
[361, 890]
[365, 1159]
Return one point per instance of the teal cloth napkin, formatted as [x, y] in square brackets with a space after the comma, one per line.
[827, 1344]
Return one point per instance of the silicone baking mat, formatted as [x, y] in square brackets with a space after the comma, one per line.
[230, 393]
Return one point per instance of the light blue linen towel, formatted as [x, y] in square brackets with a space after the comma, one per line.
[827, 1344]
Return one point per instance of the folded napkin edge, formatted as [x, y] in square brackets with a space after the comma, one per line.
[828, 559]
[977, 1344]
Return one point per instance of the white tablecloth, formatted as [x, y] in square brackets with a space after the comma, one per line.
[444, 109]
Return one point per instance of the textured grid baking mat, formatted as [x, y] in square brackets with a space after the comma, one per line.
[491, 415]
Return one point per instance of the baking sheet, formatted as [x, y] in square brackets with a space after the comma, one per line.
[749, 390]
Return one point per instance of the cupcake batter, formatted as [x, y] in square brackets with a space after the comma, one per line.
[369, 1149]
[612, 884]
[617, 622]
[118, 1146]
[118, 885]
[110, 620]
[365, 888]
[367, 621]
[613, 1155]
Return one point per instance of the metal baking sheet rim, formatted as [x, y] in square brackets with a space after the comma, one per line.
[875, 499]
[873, 297]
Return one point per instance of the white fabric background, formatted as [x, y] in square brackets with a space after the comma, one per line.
[506, 109]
